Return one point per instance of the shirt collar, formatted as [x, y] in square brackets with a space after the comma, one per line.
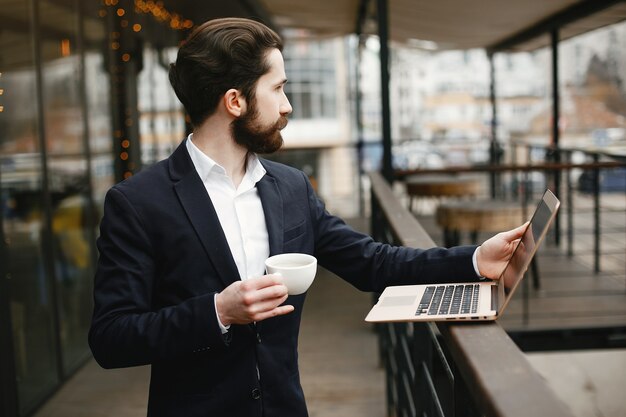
[205, 165]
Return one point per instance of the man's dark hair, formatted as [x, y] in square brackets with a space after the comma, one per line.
[219, 55]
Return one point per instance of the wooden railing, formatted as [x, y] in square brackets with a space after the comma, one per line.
[464, 369]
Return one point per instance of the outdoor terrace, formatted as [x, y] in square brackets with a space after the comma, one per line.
[339, 353]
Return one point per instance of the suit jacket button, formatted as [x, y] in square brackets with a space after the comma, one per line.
[258, 338]
[256, 394]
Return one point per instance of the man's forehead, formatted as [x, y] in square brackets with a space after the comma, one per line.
[277, 64]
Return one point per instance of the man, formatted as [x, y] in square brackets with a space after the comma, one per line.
[180, 282]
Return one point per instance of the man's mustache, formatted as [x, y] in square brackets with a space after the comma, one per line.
[282, 122]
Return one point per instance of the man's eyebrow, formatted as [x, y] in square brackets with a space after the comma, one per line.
[283, 81]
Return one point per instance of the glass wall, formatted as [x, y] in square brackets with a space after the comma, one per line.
[48, 121]
[68, 184]
[22, 195]
[98, 106]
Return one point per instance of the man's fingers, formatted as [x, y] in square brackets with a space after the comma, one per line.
[514, 233]
[266, 309]
[278, 311]
[269, 293]
[257, 283]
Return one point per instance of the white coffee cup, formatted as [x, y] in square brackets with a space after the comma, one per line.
[297, 269]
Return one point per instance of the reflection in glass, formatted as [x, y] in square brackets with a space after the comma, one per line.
[98, 92]
[21, 201]
[67, 178]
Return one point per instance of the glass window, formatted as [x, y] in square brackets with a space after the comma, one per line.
[98, 93]
[524, 100]
[161, 114]
[21, 201]
[592, 81]
[310, 68]
[68, 180]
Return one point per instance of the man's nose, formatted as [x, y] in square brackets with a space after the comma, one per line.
[285, 107]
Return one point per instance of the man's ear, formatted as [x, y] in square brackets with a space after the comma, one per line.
[234, 102]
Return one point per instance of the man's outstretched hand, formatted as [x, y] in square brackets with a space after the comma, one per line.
[495, 252]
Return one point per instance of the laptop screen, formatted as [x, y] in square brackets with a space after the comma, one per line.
[527, 246]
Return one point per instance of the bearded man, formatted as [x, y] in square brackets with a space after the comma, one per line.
[181, 282]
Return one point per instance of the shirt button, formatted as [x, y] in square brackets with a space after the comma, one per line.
[256, 394]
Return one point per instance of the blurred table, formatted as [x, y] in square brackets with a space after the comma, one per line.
[440, 186]
[477, 216]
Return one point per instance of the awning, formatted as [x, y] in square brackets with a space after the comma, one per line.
[454, 24]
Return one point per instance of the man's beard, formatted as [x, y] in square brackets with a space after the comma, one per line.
[255, 138]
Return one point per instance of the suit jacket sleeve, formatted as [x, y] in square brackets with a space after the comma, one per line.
[372, 266]
[125, 330]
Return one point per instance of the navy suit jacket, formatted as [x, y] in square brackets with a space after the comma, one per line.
[163, 256]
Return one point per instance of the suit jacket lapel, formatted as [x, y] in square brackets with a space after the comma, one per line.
[273, 210]
[199, 208]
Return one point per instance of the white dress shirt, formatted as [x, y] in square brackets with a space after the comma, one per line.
[239, 211]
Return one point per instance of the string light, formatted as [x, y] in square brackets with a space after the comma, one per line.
[1, 93]
[160, 13]
[65, 47]
[126, 19]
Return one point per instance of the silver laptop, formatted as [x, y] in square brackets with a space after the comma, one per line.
[483, 300]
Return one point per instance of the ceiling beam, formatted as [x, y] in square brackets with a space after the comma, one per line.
[361, 17]
[554, 22]
[256, 9]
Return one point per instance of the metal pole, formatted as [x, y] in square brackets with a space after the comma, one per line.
[596, 215]
[494, 151]
[556, 114]
[570, 209]
[359, 123]
[383, 33]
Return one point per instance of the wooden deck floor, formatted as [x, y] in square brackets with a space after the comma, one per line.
[570, 295]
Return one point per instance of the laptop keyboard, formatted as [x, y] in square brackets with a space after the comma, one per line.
[449, 299]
